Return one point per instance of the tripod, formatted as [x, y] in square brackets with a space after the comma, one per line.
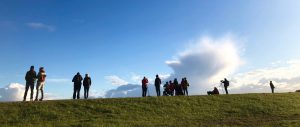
[221, 87]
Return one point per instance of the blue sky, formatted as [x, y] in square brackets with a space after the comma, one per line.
[135, 37]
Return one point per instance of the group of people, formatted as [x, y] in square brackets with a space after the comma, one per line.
[31, 78]
[226, 84]
[87, 82]
[170, 88]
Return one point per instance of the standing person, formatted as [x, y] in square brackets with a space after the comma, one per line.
[226, 84]
[177, 87]
[171, 88]
[272, 86]
[41, 77]
[77, 85]
[30, 80]
[144, 86]
[87, 82]
[185, 85]
[157, 85]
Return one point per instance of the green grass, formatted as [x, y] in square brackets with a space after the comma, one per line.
[223, 110]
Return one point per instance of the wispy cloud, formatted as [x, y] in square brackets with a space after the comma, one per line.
[115, 80]
[38, 25]
[59, 80]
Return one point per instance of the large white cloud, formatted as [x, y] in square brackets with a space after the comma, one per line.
[15, 92]
[206, 62]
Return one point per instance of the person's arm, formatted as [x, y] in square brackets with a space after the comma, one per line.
[90, 81]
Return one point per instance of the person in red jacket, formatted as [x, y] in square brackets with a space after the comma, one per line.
[171, 87]
[41, 77]
[144, 86]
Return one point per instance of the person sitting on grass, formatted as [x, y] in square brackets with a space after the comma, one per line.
[214, 92]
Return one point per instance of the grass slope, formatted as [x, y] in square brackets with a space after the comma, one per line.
[231, 110]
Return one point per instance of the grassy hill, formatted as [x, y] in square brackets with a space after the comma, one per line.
[224, 110]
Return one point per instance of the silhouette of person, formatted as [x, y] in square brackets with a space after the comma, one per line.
[87, 82]
[30, 80]
[144, 86]
[166, 89]
[185, 85]
[226, 84]
[41, 77]
[215, 91]
[272, 86]
[171, 88]
[178, 90]
[157, 85]
[77, 85]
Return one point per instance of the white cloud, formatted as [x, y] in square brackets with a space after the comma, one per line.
[115, 80]
[15, 92]
[38, 25]
[206, 62]
[286, 78]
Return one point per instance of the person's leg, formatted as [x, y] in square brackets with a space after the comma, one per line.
[144, 92]
[226, 90]
[187, 92]
[87, 92]
[157, 90]
[84, 92]
[26, 90]
[78, 92]
[42, 90]
[74, 91]
[272, 90]
[31, 90]
[37, 91]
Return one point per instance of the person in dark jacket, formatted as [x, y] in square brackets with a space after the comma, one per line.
[272, 86]
[77, 85]
[157, 85]
[30, 80]
[226, 84]
[144, 86]
[87, 82]
[178, 89]
[185, 85]
[214, 92]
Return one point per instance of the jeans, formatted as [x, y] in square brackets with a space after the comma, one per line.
[86, 92]
[144, 91]
[76, 92]
[157, 90]
[31, 85]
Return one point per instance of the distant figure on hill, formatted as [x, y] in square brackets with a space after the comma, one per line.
[87, 82]
[30, 80]
[166, 91]
[215, 91]
[157, 85]
[144, 86]
[77, 85]
[185, 84]
[171, 88]
[178, 88]
[226, 84]
[272, 86]
[41, 77]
